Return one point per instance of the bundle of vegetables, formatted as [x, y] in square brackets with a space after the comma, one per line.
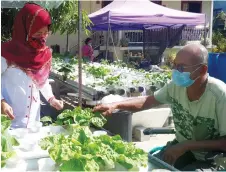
[80, 151]
[7, 141]
[83, 117]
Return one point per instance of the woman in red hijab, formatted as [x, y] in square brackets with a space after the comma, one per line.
[25, 67]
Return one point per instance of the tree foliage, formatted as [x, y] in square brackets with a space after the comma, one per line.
[219, 35]
[221, 17]
[64, 17]
[8, 15]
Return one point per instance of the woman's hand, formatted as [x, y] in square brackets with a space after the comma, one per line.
[57, 104]
[7, 110]
[107, 109]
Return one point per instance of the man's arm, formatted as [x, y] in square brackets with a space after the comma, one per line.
[135, 104]
[207, 145]
[138, 104]
[172, 153]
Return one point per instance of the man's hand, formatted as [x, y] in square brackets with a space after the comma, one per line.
[172, 153]
[7, 110]
[107, 109]
[57, 104]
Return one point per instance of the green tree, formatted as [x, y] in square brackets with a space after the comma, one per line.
[219, 35]
[7, 18]
[221, 17]
[64, 18]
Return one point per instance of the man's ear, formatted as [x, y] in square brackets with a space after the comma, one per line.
[204, 70]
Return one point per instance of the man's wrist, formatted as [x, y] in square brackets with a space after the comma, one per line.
[116, 106]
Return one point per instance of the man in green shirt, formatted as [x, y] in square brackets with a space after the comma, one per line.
[198, 104]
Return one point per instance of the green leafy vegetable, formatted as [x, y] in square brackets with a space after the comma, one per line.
[46, 120]
[83, 117]
[7, 141]
[80, 151]
[98, 72]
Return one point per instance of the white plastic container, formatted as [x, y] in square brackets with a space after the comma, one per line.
[99, 133]
[27, 145]
[11, 162]
[46, 164]
[51, 130]
[20, 166]
[19, 133]
[35, 127]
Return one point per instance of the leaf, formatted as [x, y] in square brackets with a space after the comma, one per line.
[46, 119]
[98, 122]
[83, 138]
[14, 142]
[4, 144]
[72, 165]
[5, 156]
[7, 141]
[91, 165]
[5, 123]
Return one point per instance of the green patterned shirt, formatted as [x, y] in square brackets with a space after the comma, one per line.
[203, 119]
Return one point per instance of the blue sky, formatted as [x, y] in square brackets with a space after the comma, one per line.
[220, 4]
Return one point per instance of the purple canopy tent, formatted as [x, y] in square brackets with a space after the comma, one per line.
[140, 15]
[136, 14]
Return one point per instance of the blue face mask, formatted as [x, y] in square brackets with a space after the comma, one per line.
[182, 79]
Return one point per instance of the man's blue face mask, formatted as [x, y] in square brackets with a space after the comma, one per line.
[183, 79]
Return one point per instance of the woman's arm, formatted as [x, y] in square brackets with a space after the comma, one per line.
[5, 107]
[4, 66]
[48, 94]
[46, 91]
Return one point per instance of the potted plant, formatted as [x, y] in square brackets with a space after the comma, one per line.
[207, 42]
[66, 69]
[124, 42]
[170, 58]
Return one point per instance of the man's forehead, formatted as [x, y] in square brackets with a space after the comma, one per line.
[184, 57]
[189, 55]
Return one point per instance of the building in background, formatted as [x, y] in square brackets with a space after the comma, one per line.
[205, 6]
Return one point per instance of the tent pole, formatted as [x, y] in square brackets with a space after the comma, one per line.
[205, 34]
[107, 42]
[80, 53]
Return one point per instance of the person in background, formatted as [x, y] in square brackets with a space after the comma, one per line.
[25, 67]
[198, 104]
[87, 51]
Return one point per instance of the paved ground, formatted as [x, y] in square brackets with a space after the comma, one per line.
[155, 141]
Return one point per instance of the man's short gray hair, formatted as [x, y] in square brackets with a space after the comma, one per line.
[203, 54]
[199, 52]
